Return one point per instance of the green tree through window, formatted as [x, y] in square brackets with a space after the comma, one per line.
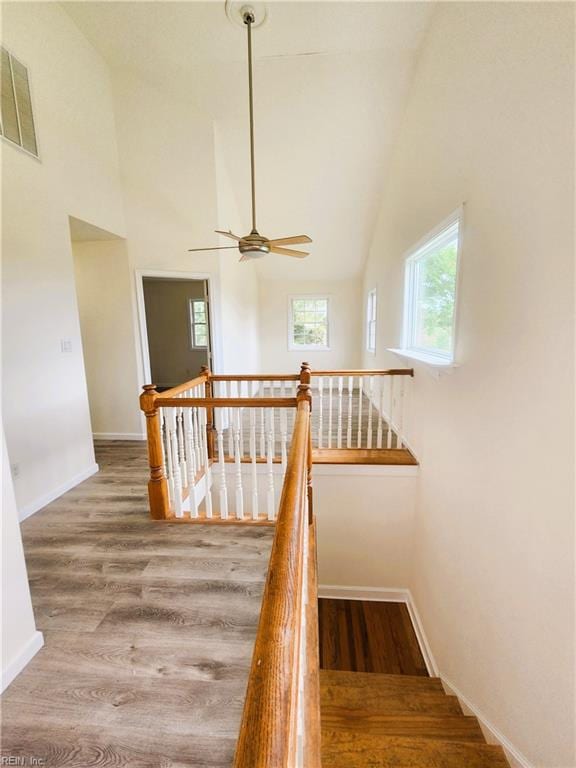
[436, 288]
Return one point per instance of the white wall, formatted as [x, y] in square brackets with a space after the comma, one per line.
[104, 286]
[238, 281]
[175, 199]
[20, 640]
[490, 123]
[345, 325]
[365, 518]
[46, 417]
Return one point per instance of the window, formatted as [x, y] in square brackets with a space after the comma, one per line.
[308, 326]
[430, 294]
[199, 323]
[371, 321]
[17, 124]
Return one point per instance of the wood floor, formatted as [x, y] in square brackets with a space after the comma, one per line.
[148, 628]
[368, 636]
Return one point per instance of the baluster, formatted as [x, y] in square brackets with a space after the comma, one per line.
[196, 435]
[169, 467]
[222, 468]
[180, 442]
[273, 421]
[360, 396]
[241, 394]
[163, 444]
[191, 466]
[238, 468]
[283, 438]
[381, 380]
[390, 413]
[339, 433]
[399, 434]
[270, 501]
[370, 406]
[173, 428]
[262, 432]
[320, 409]
[350, 407]
[206, 461]
[230, 424]
[329, 411]
[255, 509]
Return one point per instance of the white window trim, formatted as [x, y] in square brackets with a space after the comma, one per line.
[193, 344]
[317, 347]
[372, 292]
[435, 359]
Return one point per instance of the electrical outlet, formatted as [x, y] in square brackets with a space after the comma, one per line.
[66, 346]
[15, 470]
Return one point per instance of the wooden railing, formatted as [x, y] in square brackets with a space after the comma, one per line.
[280, 725]
[198, 429]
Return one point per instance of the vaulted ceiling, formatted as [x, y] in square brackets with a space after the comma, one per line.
[331, 80]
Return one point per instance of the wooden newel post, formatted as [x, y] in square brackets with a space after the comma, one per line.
[304, 393]
[157, 485]
[210, 429]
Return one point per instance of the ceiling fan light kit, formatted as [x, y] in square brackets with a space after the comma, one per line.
[254, 245]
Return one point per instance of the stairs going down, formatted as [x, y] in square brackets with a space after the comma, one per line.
[372, 720]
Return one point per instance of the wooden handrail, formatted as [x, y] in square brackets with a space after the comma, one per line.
[226, 402]
[255, 377]
[268, 732]
[186, 385]
[366, 372]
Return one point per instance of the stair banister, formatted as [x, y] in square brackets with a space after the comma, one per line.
[282, 699]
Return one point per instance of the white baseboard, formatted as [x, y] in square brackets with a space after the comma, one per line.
[46, 498]
[118, 436]
[401, 595]
[491, 733]
[24, 657]
[363, 593]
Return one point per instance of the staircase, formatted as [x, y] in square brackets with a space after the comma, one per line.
[398, 721]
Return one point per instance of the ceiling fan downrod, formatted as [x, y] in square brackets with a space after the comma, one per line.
[249, 19]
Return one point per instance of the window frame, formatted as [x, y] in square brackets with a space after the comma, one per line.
[193, 324]
[431, 241]
[371, 303]
[3, 137]
[292, 346]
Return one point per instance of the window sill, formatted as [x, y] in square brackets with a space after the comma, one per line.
[435, 364]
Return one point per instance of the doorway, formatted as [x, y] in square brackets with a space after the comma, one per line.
[178, 328]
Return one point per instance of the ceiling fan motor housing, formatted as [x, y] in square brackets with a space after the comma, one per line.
[254, 245]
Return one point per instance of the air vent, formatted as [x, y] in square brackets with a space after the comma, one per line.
[17, 119]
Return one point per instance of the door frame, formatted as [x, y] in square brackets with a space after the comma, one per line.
[213, 314]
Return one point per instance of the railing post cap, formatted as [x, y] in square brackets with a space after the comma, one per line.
[149, 387]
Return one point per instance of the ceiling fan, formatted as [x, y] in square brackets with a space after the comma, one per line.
[255, 245]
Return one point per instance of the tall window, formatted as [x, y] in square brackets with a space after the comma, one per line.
[17, 120]
[371, 321]
[199, 323]
[308, 323]
[430, 293]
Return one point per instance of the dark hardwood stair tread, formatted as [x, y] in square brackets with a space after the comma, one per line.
[383, 683]
[421, 726]
[342, 749]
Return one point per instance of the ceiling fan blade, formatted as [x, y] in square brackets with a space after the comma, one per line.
[227, 234]
[288, 252]
[215, 248]
[296, 240]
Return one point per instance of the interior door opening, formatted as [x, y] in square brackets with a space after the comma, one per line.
[178, 329]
